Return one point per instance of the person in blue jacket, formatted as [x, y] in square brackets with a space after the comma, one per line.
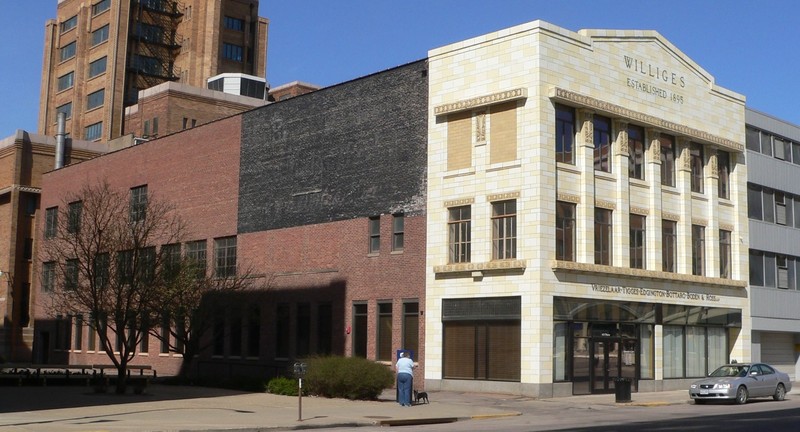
[405, 379]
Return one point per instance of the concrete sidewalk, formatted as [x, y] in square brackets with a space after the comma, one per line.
[206, 409]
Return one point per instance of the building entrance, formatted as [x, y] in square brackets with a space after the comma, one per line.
[611, 358]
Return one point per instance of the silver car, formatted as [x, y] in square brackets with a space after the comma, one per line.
[740, 382]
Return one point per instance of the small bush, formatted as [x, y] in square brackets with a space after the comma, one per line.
[352, 378]
[283, 386]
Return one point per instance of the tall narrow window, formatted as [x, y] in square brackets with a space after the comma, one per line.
[698, 250]
[78, 336]
[144, 344]
[636, 152]
[71, 275]
[780, 208]
[165, 336]
[565, 231]
[324, 328]
[565, 134]
[384, 332]
[602, 143]
[637, 227]
[602, 236]
[225, 257]
[74, 218]
[504, 230]
[410, 327]
[196, 254]
[766, 144]
[459, 232]
[696, 162]
[724, 174]
[138, 204]
[667, 160]
[50, 222]
[303, 339]
[398, 232]
[360, 330]
[725, 254]
[254, 332]
[783, 271]
[48, 276]
[374, 234]
[669, 243]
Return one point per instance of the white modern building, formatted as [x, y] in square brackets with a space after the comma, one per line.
[587, 214]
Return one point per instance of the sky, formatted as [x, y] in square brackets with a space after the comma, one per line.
[749, 47]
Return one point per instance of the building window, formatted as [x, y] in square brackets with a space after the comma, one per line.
[754, 204]
[636, 152]
[374, 234]
[384, 332]
[232, 23]
[138, 203]
[459, 227]
[254, 332]
[232, 52]
[93, 131]
[155, 126]
[97, 67]
[66, 109]
[225, 256]
[410, 340]
[48, 276]
[565, 134]
[725, 254]
[638, 228]
[324, 328]
[78, 337]
[667, 160]
[602, 236]
[398, 232]
[166, 336]
[783, 149]
[67, 51]
[71, 275]
[66, 81]
[696, 162]
[360, 330]
[144, 345]
[724, 174]
[50, 222]
[146, 131]
[783, 214]
[95, 99]
[669, 243]
[698, 250]
[100, 35]
[101, 6]
[753, 139]
[768, 200]
[504, 230]
[196, 254]
[756, 268]
[565, 231]
[74, 217]
[69, 24]
[218, 333]
[602, 143]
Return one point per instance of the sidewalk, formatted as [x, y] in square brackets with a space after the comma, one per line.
[206, 409]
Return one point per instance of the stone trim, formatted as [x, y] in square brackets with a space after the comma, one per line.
[20, 188]
[639, 211]
[726, 227]
[499, 265]
[481, 101]
[459, 202]
[575, 267]
[701, 222]
[605, 204]
[670, 216]
[575, 199]
[587, 101]
[502, 196]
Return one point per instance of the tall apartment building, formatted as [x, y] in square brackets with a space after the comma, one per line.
[98, 55]
[773, 203]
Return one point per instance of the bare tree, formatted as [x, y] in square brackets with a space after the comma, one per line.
[104, 259]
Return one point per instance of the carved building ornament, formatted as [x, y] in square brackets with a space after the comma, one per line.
[604, 204]
[596, 269]
[726, 227]
[481, 266]
[481, 101]
[590, 102]
[622, 137]
[502, 196]
[480, 127]
[575, 199]
[459, 202]
[587, 126]
[698, 221]
[670, 216]
[641, 211]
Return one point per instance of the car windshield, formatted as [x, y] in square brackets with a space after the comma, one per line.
[730, 371]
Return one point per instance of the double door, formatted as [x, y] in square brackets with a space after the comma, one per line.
[612, 358]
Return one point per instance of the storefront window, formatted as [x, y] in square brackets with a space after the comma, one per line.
[673, 352]
[560, 352]
[695, 351]
[646, 367]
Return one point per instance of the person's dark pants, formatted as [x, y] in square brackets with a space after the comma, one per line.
[404, 384]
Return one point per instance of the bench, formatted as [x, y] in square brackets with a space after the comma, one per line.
[138, 381]
[42, 373]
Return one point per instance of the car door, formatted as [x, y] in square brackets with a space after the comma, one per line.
[769, 379]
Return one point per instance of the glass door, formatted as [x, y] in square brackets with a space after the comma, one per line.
[605, 364]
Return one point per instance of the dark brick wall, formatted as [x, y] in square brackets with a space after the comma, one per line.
[351, 150]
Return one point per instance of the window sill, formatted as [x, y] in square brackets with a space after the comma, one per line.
[396, 252]
[460, 173]
[499, 266]
[373, 254]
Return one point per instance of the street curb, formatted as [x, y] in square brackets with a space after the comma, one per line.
[417, 421]
[491, 416]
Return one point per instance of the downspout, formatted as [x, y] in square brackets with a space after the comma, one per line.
[60, 139]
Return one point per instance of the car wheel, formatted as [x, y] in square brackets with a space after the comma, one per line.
[780, 393]
[741, 395]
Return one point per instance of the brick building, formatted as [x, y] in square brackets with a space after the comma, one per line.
[324, 196]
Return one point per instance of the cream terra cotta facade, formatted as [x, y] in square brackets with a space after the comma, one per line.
[635, 77]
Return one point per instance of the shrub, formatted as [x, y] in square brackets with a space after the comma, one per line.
[352, 378]
[284, 386]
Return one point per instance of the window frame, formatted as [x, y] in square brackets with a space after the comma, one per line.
[398, 232]
[233, 23]
[50, 222]
[602, 137]
[603, 236]
[93, 71]
[100, 35]
[374, 231]
[95, 99]
[669, 245]
[697, 163]
[725, 254]
[459, 234]
[66, 81]
[225, 260]
[504, 230]
[723, 174]
[698, 250]
[100, 7]
[232, 52]
[69, 24]
[638, 241]
[75, 209]
[566, 231]
[93, 132]
[565, 134]
[68, 51]
[668, 155]
[636, 152]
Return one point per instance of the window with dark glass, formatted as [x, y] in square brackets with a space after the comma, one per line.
[384, 346]
[753, 139]
[669, 246]
[723, 174]
[50, 222]
[783, 148]
[232, 23]
[101, 6]
[769, 270]
[138, 203]
[725, 254]
[459, 227]
[698, 250]
[602, 143]
[101, 269]
[66, 109]
[374, 234]
[410, 326]
[95, 99]
[67, 51]
[696, 163]
[78, 332]
[565, 231]
[74, 217]
[100, 35]
[504, 230]
[782, 271]
[636, 152]
[48, 276]
[254, 332]
[93, 131]
[324, 328]
[756, 268]
[97, 67]
[766, 144]
[225, 257]
[565, 134]
[768, 198]
[754, 203]
[398, 232]
[71, 275]
[360, 330]
[637, 231]
[66, 81]
[667, 160]
[232, 51]
[196, 254]
[69, 24]
[602, 236]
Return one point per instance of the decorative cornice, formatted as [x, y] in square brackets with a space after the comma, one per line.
[575, 199]
[576, 98]
[605, 204]
[480, 101]
[640, 211]
[20, 188]
[575, 267]
[484, 266]
[726, 227]
[502, 196]
[701, 222]
[459, 202]
[670, 216]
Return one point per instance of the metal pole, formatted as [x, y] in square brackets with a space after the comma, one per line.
[300, 399]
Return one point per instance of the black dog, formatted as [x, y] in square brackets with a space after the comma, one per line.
[420, 397]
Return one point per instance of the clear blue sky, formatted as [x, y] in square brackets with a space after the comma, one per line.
[749, 47]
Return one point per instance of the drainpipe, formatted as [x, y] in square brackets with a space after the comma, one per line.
[60, 138]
